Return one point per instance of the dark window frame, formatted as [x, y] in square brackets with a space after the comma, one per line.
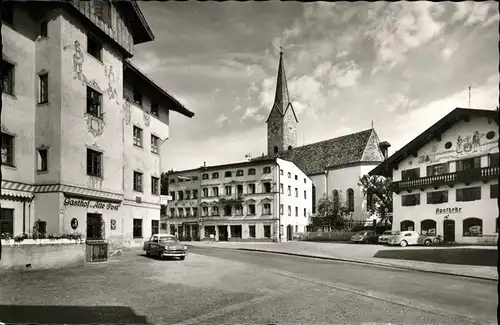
[94, 102]
[8, 77]
[8, 146]
[94, 163]
[153, 227]
[251, 171]
[266, 170]
[350, 200]
[468, 163]
[466, 194]
[7, 221]
[410, 174]
[471, 222]
[155, 109]
[494, 191]
[138, 181]
[137, 228]
[250, 208]
[44, 29]
[438, 169]
[137, 136]
[138, 97]
[43, 88]
[94, 47]
[406, 202]
[154, 144]
[228, 174]
[155, 190]
[42, 161]
[437, 197]
[493, 159]
[251, 231]
[215, 175]
[267, 231]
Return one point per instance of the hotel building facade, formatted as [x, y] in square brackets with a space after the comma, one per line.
[445, 181]
[82, 128]
[265, 200]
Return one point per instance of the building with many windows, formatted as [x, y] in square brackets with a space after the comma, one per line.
[445, 181]
[265, 200]
[82, 128]
[334, 165]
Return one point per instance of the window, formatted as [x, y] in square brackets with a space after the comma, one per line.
[410, 200]
[266, 170]
[407, 225]
[155, 182]
[296, 177]
[94, 99]
[296, 211]
[305, 212]
[194, 178]
[215, 191]
[137, 136]
[8, 78]
[305, 181]
[94, 163]
[215, 175]
[44, 29]
[154, 227]
[195, 194]
[313, 198]
[251, 188]
[239, 189]
[428, 227]
[137, 182]
[137, 230]
[493, 159]
[282, 191]
[172, 212]
[137, 97]
[205, 192]
[228, 190]
[42, 160]
[235, 231]
[172, 194]
[468, 194]
[7, 149]
[289, 210]
[94, 48]
[437, 197]
[43, 88]
[438, 169]
[466, 164]
[180, 212]
[266, 209]
[227, 174]
[204, 176]
[296, 192]
[239, 172]
[472, 227]
[215, 211]
[180, 195]
[267, 231]
[238, 209]
[172, 180]
[251, 209]
[289, 190]
[154, 144]
[281, 172]
[281, 209]
[289, 175]
[7, 221]
[204, 211]
[227, 210]
[305, 194]
[350, 200]
[410, 174]
[155, 110]
[267, 187]
[251, 171]
[494, 191]
[102, 9]
[251, 231]
[275, 149]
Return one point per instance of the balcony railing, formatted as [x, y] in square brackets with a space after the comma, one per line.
[234, 198]
[466, 176]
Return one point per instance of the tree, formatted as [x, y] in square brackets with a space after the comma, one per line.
[378, 191]
[331, 212]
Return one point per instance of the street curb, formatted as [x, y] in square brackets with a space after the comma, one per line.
[364, 262]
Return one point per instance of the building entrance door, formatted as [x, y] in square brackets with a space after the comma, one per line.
[196, 233]
[449, 231]
[222, 233]
[289, 232]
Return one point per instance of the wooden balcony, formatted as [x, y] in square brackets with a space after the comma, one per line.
[484, 174]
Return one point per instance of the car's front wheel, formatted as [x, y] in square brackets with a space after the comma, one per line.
[403, 243]
[427, 242]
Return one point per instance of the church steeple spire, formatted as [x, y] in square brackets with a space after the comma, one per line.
[281, 99]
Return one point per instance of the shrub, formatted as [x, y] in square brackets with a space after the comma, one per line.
[39, 229]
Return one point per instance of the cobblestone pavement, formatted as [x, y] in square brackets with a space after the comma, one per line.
[212, 290]
[361, 253]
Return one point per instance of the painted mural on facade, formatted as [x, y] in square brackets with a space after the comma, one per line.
[112, 83]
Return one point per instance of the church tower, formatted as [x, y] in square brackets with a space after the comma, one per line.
[282, 121]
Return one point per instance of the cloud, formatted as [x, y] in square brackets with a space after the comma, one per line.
[221, 119]
[252, 113]
[237, 108]
[448, 51]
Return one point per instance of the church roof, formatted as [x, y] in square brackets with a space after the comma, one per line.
[352, 148]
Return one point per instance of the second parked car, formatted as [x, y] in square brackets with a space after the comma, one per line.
[405, 238]
[365, 236]
[386, 236]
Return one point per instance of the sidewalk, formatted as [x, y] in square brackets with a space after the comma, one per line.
[361, 254]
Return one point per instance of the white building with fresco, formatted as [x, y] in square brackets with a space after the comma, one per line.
[265, 200]
[446, 179]
[82, 128]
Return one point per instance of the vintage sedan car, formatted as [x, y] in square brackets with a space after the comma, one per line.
[365, 236]
[405, 238]
[162, 245]
[386, 236]
[428, 240]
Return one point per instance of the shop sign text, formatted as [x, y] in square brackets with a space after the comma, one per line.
[448, 210]
[91, 204]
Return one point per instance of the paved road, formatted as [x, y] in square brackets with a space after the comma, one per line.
[214, 286]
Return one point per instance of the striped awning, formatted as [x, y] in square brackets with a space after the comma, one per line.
[17, 194]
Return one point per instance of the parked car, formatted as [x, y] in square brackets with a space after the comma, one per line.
[365, 236]
[386, 236]
[428, 240]
[162, 245]
[405, 238]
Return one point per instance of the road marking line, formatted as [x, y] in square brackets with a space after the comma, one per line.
[387, 298]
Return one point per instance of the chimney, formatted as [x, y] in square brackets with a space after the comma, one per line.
[384, 147]
[204, 164]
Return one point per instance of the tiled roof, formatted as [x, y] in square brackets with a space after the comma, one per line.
[351, 148]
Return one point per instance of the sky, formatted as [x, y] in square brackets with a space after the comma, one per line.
[402, 65]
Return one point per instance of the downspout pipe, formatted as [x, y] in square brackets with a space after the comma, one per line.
[279, 202]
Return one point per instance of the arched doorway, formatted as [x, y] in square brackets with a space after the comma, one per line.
[449, 231]
[428, 227]
[407, 225]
